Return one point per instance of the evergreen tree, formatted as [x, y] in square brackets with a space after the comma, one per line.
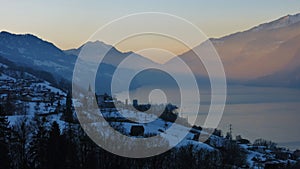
[233, 155]
[9, 107]
[55, 148]
[185, 157]
[52, 98]
[57, 110]
[19, 140]
[4, 140]
[68, 114]
[38, 145]
[70, 147]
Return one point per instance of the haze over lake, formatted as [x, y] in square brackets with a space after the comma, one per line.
[254, 112]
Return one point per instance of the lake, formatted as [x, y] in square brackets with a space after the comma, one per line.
[254, 112]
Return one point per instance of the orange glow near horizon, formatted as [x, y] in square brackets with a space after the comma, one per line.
[69, 24]
[155, 47]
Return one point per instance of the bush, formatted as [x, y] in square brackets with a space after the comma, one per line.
[233, 155]
[268, 144]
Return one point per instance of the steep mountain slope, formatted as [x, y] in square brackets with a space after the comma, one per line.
[287, 77]
[255, 54]
[261, 51]
[30, 51]
[113, 56]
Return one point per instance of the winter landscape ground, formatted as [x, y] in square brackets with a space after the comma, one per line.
[50, 118]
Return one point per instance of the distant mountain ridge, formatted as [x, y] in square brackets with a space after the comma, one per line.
[112, 55]
[268, 55]
[30, 51]
[279, 23]
[259, 54]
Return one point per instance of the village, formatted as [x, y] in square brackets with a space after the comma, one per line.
[25, 94]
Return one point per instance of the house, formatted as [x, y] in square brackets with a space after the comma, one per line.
[3, 96]
[196, 137]
[105, 101]
[26, 97]
[135, 103]
[282, 155]
[137, 130]
[100, 99]
[109, 104]
[241, 140]
[260, 149]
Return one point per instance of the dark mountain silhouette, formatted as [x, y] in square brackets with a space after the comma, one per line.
[30, 51]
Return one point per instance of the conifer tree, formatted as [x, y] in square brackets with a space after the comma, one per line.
[55, 148]
[68, 114]
[70, 147]
[38, 145]
[4, 140]
[19, 142]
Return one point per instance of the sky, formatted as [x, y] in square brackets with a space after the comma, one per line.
[69, 24]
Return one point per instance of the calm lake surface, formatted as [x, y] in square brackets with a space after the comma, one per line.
[254, 112]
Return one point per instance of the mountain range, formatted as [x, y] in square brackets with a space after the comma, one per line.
[265, 55]
[29, 51]
[268, 54]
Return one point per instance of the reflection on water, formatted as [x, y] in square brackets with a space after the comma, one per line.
[256, 112]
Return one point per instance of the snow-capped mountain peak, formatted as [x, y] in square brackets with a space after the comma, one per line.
[280, 23]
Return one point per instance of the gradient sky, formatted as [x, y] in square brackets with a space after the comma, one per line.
[69, 24]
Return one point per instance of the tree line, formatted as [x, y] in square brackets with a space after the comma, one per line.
[40, 144]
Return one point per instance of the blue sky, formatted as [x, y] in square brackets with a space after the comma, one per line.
[68, 24]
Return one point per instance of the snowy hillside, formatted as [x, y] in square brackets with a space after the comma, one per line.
[25, 95]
